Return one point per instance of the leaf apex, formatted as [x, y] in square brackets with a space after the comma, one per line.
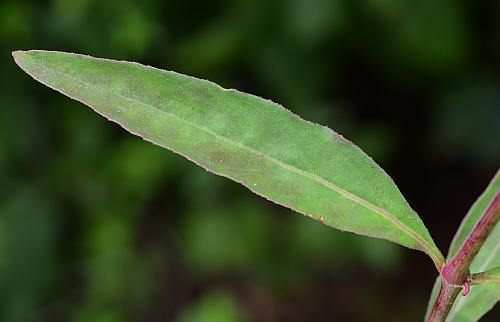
[18, 55]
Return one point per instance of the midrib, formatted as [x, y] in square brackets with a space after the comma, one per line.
[424, 245]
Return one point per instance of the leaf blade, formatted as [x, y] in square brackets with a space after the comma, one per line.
[489, 280]
[298, 164]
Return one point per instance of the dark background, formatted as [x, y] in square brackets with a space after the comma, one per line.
[98, 226]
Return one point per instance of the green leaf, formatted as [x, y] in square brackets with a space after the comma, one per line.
[274, 153]
[480, 300]
[473, 306]
[490, 280]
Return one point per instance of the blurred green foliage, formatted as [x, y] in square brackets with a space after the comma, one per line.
[213, 307]
[97, 225]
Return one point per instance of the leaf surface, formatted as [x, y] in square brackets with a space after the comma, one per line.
[490, 280]
[273, 152]
[480, 299]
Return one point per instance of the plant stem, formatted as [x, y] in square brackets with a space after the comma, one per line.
[455, 273]
[444, 302]
[456, 270]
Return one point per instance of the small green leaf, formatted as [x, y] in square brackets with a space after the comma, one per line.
[490, 280]
[480, 300]
[274, 153]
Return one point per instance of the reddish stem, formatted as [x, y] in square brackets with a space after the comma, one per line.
[456, 270]
[466, 289]
[455, 273]
[444, 302]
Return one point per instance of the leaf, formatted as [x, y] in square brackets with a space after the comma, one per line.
[493, 288]
[274, 153]
[473, 306]
[480, 300]
[490, 280]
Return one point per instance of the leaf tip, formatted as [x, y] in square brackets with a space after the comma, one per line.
[18, 56]
[17, 53]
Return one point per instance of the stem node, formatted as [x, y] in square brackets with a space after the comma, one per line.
[455, 273]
